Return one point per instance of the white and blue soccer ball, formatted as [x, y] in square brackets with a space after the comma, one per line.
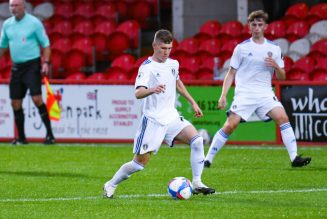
[180, 188]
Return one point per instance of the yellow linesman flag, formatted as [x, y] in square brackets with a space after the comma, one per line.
[52, 104]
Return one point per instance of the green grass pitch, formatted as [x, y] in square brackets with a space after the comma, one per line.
[66, 180]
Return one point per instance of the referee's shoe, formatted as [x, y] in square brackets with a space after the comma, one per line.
[49, 140]
[19, 141]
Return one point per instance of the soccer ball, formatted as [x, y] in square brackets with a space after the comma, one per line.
[180, 188]
[205, 135]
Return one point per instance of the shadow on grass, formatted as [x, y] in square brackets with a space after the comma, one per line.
[43, 174]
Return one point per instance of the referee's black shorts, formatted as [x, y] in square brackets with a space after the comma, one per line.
[25, 76]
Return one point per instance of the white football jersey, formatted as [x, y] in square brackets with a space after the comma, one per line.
[253, 77]
[159, 107]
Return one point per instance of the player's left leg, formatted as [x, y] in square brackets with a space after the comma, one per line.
[190, 136]
[279, 115]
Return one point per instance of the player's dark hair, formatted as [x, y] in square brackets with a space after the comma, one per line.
[260, 14]
[164, 36]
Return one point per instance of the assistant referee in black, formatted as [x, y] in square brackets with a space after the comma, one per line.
[23, 34]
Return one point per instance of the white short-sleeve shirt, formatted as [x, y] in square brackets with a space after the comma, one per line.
[253, 77]
[159, 107]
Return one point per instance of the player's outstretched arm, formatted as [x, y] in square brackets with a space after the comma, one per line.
[229, 78]
[142, 92]
[183, 91]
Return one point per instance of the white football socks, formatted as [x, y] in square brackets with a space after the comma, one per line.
[289, 139]
[125, 171]
[197, 157]
[217, 143]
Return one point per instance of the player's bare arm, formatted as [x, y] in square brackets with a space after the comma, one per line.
[46, 60]
[280, 72]
[183, 91]
[142, 92]
[226, 85]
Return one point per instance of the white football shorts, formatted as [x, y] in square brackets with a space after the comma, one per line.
[246, 106]
[151, 134]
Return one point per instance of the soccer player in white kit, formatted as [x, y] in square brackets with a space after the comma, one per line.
[156, 84]
[253, 64]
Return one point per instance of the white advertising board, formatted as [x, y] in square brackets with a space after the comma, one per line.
[6, 113]
[87, 112]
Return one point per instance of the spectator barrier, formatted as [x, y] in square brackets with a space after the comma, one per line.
[94, 111]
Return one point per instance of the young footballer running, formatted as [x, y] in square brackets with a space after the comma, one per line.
[252, 65]
[156, 84]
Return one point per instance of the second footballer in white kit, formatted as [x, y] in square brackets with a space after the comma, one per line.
[156, 84]
[253, 64]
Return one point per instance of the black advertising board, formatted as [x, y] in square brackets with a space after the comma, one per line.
[306, 107]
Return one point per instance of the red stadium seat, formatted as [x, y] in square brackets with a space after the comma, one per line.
[116, 74]
[85, 10]
[100, 44]
[84, 44]
[105, 27]
[63, 44]
[122, 9]
[301, 69]
[208, 63]
[297, 30]
[319, 49]
[132, 29]
[117, 43]
[125, 62]
[211, 27]
[246, 34]
[200, 37]
[204, 74]
[64, 9]
[85, 27]
[298, 76]
[74, 61]
[141, 11]
[108, 10]
[64, 27]
[230, 29]
[178, 54]
[191, 63]
[227, 50]
[297, 11]
[316, 13]
[98, 76]
[288, 62]
[212, 46]
[133, 72]
[77, 76]
[275, 29]
[190, 45]
[320, 68]
[56, 63]
[186, 75]
[319, 76]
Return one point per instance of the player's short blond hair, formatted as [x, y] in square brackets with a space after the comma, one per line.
[260, 14]
[164, 36]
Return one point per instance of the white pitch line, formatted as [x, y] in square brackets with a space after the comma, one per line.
[159, 195]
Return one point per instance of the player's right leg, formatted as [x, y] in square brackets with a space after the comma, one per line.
[148, 139]
[124, 172]
[221, 137]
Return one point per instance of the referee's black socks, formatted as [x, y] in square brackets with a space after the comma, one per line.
[19, 120]
[45, 118]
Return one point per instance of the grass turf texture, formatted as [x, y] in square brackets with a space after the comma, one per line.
[65, 181]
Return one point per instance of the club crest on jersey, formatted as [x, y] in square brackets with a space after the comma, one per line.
[140, 74]
[173, 71]
[145, 146]
[234, 107]
[157, 75]
[270, 54]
